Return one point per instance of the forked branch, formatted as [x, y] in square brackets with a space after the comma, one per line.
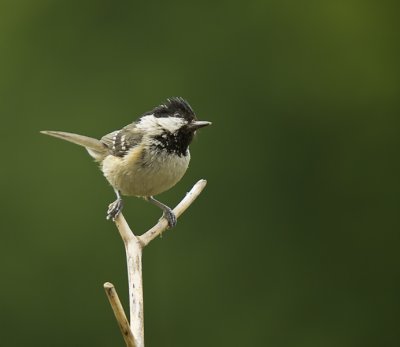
[133, 247]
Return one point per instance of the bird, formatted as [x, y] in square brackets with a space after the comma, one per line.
[146, 157]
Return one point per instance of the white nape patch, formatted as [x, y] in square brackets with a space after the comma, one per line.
[156, 126]
[148, 124]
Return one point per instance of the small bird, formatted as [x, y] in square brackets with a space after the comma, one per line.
[146, 157]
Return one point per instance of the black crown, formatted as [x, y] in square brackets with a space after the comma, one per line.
[174, 107]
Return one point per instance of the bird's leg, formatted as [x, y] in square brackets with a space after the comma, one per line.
[115, 207]
[167, 212]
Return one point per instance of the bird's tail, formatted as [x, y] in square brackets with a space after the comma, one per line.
[95, 147]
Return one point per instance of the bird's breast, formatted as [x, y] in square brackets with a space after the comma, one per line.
[145, 173]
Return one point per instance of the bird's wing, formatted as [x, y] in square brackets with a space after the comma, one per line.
[120, 142]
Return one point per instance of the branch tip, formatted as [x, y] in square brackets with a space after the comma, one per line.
[108, 285]
[119, 314]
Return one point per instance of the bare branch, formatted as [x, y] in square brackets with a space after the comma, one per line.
[162, 225]
[119, 314]
[134, 249]
[134, 263]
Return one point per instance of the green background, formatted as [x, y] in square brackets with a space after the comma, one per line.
[294, 242]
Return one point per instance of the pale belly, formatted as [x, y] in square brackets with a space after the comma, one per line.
[158, 175]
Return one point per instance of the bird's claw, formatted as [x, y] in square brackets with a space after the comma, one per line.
[114, 209]
[170, 216]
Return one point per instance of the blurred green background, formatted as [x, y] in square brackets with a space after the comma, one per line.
[294, 242]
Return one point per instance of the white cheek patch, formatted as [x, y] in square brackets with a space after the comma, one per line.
[156, 126]
[171, 124]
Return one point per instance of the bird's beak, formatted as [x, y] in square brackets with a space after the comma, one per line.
[198, 124]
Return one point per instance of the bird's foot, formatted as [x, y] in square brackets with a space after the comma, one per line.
[170, 216]
[114, 209]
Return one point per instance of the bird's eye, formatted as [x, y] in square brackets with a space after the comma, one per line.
[176, 114]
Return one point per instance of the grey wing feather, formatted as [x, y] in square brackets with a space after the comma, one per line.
[120, 142]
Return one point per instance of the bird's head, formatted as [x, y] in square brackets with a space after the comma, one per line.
[171, 125]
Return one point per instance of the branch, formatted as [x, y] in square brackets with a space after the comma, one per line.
[134, 247]
[162, 225]
[133, 250]
[124, 230]
[119, 314]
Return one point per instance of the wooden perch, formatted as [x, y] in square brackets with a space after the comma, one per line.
[119, 314]
[134, 337]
